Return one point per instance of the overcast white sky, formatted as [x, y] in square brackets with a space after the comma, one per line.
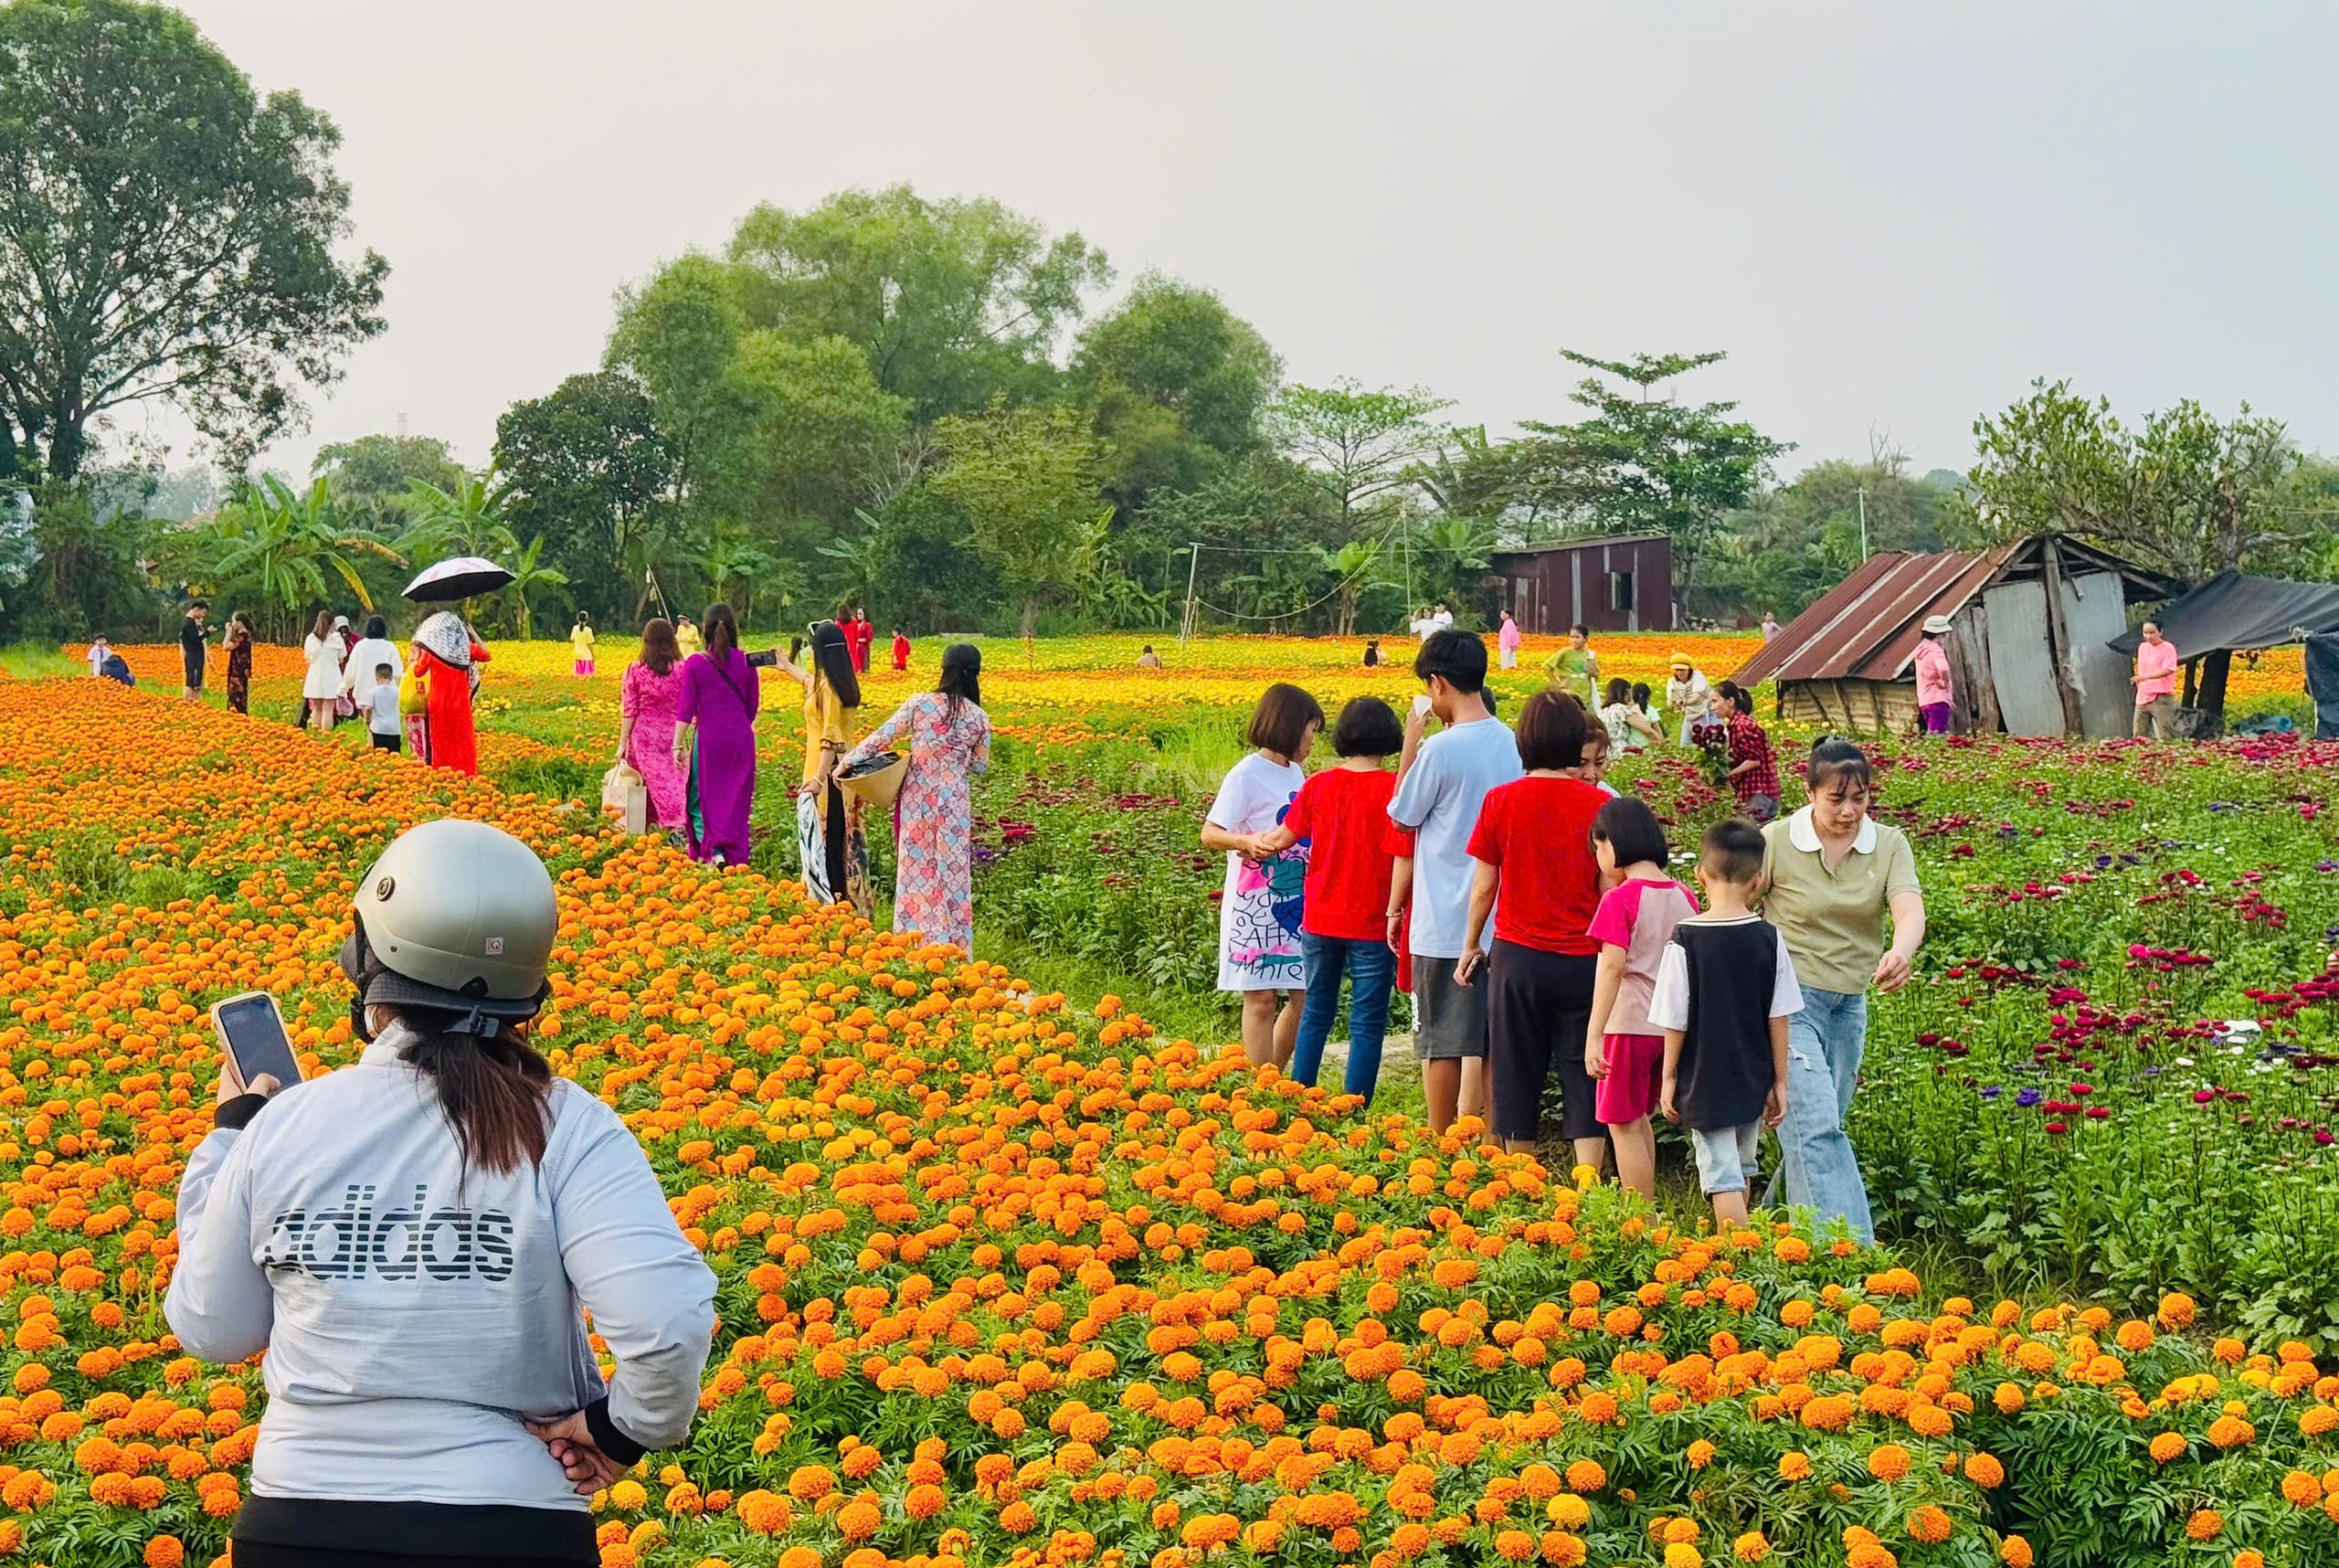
[1893, 216]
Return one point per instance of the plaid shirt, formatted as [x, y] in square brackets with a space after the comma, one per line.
[1747, 742]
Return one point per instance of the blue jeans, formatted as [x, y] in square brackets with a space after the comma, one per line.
[1824, 1043]
[1374, 968]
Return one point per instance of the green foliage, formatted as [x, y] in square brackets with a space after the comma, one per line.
[954, 304]
[808, 427]
[1026, 479]
[1790, 544]
[75, 569]
[1355, 444]
[287, 551]
[166, 233]
[1646, 464]
[1179, 385]
[2187, 494]
[586, 469]
[373, 477]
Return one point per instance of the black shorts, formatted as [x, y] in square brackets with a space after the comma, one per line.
[387, 742]
[195, 679]
[1538, 1005]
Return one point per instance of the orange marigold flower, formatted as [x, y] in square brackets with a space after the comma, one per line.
[2231, 1432]
[2167, 1448]
[2203, 1524]
[1586, 1475]
[1928, 1524]
[165, 1551]
[1984, 1470]
[1795, 1465]
[2015, 1551]
[1887, 1461]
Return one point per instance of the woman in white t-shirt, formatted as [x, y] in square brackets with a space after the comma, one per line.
[1259, 913]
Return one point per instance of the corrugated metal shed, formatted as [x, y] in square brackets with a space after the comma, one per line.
[1867, 627]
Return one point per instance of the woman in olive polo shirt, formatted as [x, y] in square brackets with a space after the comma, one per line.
[1834, 873]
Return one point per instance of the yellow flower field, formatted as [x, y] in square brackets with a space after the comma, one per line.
[1006, 1278]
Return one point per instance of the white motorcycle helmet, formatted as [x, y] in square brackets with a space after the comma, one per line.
[456, 917]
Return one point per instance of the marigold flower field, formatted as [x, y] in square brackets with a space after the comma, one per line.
[1015, 1277]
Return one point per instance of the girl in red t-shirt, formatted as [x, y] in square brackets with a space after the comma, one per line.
[1343, 815]
[1533, 846]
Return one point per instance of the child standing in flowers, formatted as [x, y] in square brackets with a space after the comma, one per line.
[1725, 989]
[1259, 910]
[1535, 875]
[1437, 802]
[1623, 1053]
[1343, 815]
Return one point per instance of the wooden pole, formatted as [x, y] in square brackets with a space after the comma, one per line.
[2058, 636]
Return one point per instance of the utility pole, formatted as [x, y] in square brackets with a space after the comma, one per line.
[1193, 564]
[1863, 495]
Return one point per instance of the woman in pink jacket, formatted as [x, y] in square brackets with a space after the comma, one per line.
[1934, 699]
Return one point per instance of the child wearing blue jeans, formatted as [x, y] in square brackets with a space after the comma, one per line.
[1725, 989]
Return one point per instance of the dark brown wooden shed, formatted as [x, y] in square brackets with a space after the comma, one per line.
[1618, 583]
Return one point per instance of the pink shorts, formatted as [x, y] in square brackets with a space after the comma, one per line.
[1636, 1072]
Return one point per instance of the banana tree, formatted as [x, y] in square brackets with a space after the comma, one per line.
[466, 521]
[1357, 565]
[529, 574]
[288, 544]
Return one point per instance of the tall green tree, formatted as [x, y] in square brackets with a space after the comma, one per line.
[2189, 493]
[1355, 443]
[586, 469]
[954, 303]
[1642, 463]
[1025, 479]
[165, 233]
[808, 432]
[677, 335]
[373, 477]
[1179, 385]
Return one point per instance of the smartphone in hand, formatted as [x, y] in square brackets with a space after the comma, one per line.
[251, 1028]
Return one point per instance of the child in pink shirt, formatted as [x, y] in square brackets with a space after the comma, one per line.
[1622, 1050]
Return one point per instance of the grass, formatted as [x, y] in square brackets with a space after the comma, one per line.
[30, 661]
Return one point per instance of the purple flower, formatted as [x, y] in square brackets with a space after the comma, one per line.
[2028, 1097]
[2326, 865]
[1992, 1092]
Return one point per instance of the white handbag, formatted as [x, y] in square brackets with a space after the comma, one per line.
[625, 796]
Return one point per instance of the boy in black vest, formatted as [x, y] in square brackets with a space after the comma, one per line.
[1725, 989]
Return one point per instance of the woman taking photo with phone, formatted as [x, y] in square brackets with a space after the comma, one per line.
[414, 1240]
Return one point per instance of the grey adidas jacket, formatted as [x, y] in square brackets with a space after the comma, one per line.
[409, 1326]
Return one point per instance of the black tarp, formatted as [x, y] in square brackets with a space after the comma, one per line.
[2231, 612]
[2323, 681]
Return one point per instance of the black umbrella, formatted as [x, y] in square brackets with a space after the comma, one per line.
[458, 578]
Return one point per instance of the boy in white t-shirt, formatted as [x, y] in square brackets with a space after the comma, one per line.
[382, 712]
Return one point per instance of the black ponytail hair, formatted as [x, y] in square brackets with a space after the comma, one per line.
[834, 654]
[962, 674]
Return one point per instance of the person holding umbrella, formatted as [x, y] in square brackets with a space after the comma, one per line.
[444, 676]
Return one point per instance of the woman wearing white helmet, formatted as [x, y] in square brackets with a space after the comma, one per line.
[413, 1241]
